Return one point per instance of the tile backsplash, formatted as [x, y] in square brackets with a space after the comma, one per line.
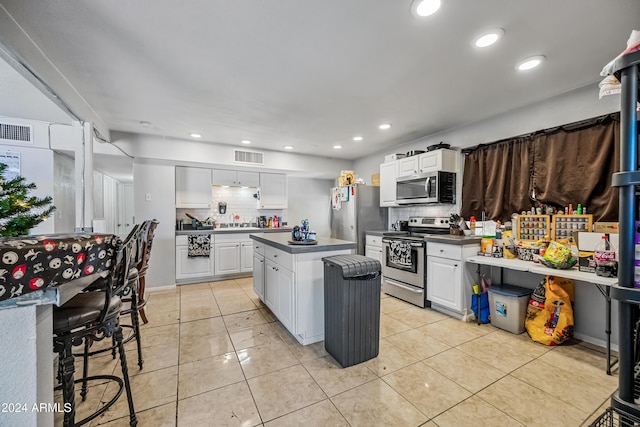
[404, 213]
[240, 201]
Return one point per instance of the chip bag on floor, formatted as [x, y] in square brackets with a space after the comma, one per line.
[549, 317]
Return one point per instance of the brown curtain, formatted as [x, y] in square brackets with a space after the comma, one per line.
[570, 164]
[497, 180]
[575, 166]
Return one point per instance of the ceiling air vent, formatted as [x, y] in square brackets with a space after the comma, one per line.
[248, 157]
[16, 133]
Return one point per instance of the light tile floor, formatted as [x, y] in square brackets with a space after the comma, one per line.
[215, 356]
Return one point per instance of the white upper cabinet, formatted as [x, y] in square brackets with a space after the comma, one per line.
[408, 166]
[241, 178]
[273, 191]
[439, 160]
[193, 187]
[388, 175]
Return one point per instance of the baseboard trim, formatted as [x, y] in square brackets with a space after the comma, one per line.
[160, 288]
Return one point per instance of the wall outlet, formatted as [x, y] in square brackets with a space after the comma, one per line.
[147, 197]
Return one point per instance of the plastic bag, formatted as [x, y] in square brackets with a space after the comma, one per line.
[484, 307]
[557, 253]
[549, 318]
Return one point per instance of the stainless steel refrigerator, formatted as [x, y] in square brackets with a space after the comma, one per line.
[354, 210]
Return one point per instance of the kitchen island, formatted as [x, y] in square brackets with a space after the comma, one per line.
[289, 279]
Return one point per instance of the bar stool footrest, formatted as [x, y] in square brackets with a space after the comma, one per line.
[107, 405]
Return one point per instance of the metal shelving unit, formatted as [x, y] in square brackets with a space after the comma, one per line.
[625, 403]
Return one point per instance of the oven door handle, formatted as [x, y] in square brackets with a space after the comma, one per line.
[400, 285]
[414, 244]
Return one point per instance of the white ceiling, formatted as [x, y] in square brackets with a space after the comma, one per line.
[313, 74]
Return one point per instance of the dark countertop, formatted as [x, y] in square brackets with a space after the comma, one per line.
[281, 241]
[453, 240]
[233, 230]
[385, 233]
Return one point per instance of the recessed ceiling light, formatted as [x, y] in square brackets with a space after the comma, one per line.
[195, 135]
[357, 138]
[337, 147]
[288, 147]
[385, 126]
[146, 124]
[422, 8]
[246, 141]
[489, 38]
[530, 63]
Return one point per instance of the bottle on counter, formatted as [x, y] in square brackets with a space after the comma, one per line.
[472, 225]
[579, 210]
[605, 258]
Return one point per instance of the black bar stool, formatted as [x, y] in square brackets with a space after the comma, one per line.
[93, 316]
[132, 293]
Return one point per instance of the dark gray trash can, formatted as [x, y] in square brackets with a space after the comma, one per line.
[351, 308]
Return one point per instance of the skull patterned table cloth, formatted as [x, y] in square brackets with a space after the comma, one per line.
[34, 263]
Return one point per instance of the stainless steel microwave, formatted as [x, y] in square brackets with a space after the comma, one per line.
[432, 187]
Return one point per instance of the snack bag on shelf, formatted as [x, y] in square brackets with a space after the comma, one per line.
[557, 253]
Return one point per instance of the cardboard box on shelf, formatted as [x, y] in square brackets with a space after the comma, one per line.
[605, 227]
[587, 243]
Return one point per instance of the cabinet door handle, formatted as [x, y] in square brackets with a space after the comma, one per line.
[275, 255]
[455, 265]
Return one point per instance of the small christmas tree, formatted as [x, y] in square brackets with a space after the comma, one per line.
[19, 212]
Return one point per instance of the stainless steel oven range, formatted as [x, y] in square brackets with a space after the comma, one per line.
[404, 262]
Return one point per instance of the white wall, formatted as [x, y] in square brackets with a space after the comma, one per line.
[569, 107]
[37, 167]
[198, 153]
[310, 199]
[158, 180]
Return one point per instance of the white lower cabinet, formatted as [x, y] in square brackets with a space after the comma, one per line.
[449, 279]
[246, 256]
[373, 247]
[280, 292]
[258, 275]
[227, 258]
[233, 254]
[191, 268]
[444, 280]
